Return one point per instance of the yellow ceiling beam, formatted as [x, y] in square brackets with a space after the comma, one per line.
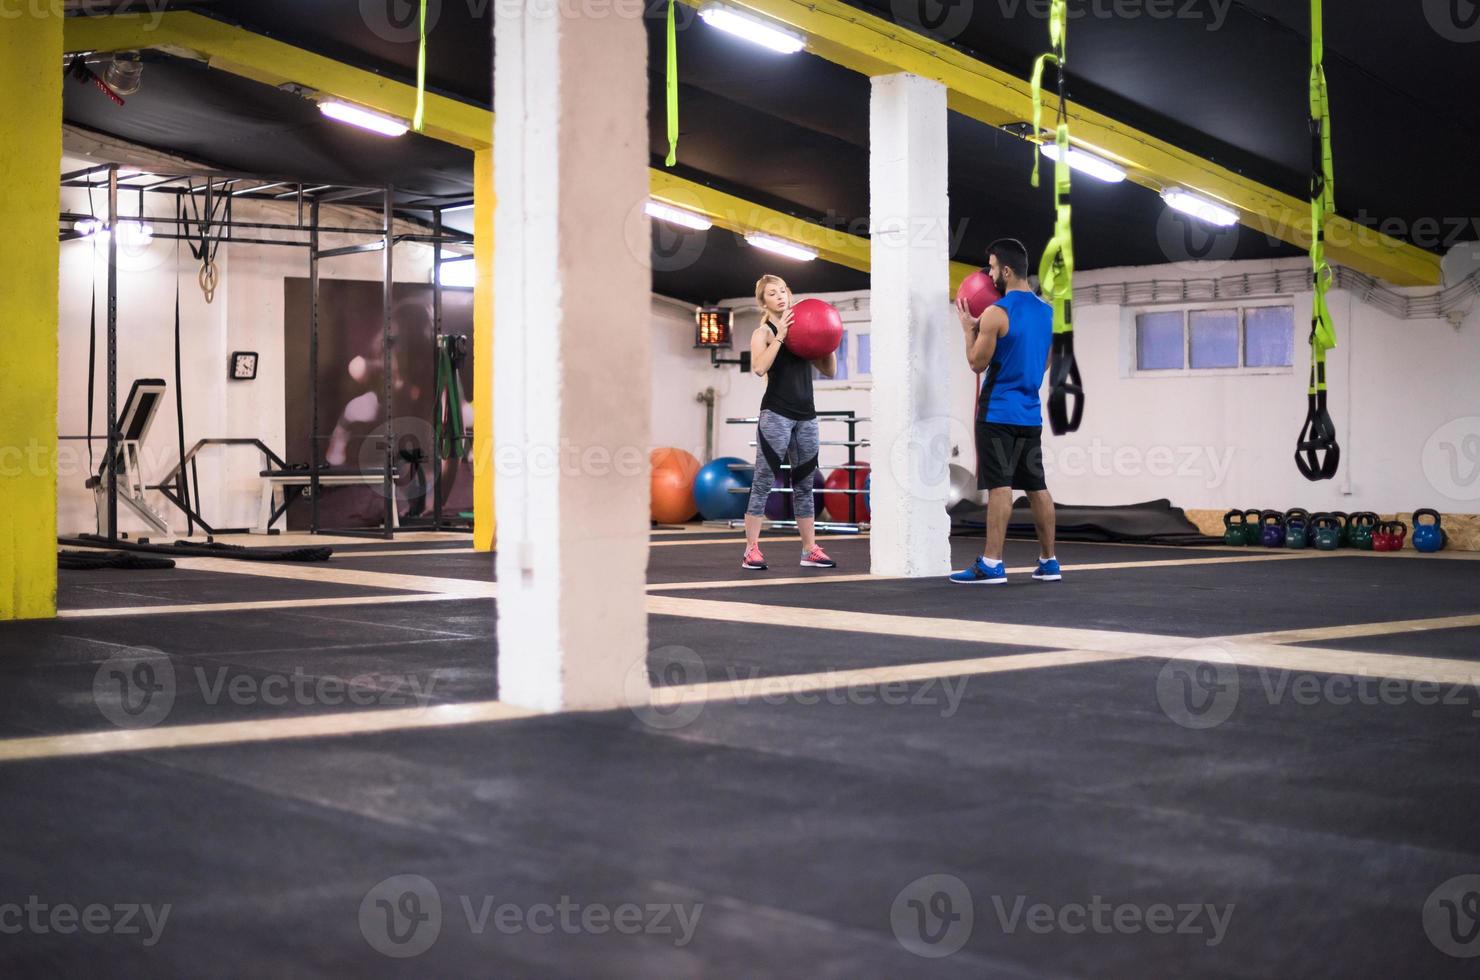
[241, 52]
[874, 46]
[271, 62]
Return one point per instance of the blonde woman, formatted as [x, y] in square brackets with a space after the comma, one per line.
[788, 424]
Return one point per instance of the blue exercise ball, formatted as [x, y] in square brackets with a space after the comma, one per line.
[712, 485]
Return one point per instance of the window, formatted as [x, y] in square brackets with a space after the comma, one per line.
[1214, 338]
[1253, 339]
[1269, 336]
[865, 356]
[842, 374]
[1159, 343]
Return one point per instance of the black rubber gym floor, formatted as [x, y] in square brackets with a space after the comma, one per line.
[1082, 820]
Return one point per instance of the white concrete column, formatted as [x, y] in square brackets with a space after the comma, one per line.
[571, 372]
[914, 337]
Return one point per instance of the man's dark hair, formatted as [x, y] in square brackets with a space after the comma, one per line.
[1010, 255]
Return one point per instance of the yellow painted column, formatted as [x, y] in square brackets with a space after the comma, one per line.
[30, 162]
[483, 481]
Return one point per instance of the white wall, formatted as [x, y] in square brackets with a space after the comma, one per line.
[1400, 389]
[246, 314]
[1229, 441]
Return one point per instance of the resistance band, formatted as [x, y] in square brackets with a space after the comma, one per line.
[1318, 434]
[1056, 271]
[182, 483]
[450, 435]
[672, 89]
[419, 119]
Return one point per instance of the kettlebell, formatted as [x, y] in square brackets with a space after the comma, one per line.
[1397, 533]
[1428, 537]
[1382, 538]
[1345, 525]
[1361, 529]
[1326, 529]
[1233, 528]
[1272, 530]
[1253, 527]
[1297, 527]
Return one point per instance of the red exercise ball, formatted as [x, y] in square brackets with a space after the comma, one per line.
[979, 291]
[816, 329]
[841, 479]
[673, 485]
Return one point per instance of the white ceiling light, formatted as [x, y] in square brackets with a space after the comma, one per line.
[742, 23]
[677, 216]
[131, 234]
[461, 272]
[1087, 163]
[1181, 199]
[781, 246]
[363, 118]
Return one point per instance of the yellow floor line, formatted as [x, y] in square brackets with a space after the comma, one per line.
[758, 688]
[319, 572]
[390, 553]
[1353, 630]
[263, 730]
[263, 604]
[1317, 660]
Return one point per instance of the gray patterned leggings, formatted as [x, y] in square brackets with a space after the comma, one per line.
[779, 439]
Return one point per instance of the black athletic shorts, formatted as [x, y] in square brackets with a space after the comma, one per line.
[1009, 456]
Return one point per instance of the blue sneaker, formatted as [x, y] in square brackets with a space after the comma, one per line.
[980, 574]
[1048, 570]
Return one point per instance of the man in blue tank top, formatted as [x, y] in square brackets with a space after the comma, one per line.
[1009, 346]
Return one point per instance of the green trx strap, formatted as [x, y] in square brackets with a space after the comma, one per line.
[1056, 271]
[450, 434]
[672, 89]
[421, 72]
[1316, 453]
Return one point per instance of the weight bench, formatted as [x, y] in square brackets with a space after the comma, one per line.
[134, 421]
[292, 482]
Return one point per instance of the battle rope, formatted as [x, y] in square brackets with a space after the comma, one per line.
[1056, 271]
[1318, 434]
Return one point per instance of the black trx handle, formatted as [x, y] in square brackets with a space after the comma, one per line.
[1316, 453]
[1064, 384]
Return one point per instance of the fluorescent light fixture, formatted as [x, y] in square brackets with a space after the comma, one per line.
[677, 216]
[1180, 199]
[364, 118]
[781, 246]
[1087, 163]
[757, 30]
[131, 234]
[458, 270]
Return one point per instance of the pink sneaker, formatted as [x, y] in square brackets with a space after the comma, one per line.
[817, 558]
[753, 561]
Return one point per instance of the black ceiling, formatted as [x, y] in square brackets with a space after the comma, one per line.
[1226, 81]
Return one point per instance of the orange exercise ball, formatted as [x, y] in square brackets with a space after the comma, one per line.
[673, 485]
